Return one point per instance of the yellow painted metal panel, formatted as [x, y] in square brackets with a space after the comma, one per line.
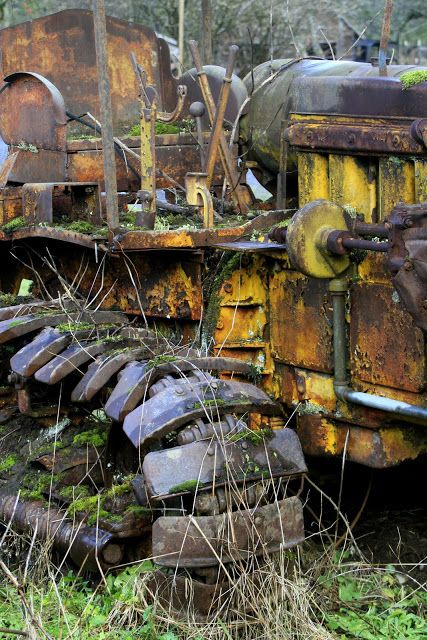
[313, 178]
[352, 183]
[396, 183]
[420, 180]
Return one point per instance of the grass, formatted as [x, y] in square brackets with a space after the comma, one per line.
[313, 592]
[309, 594]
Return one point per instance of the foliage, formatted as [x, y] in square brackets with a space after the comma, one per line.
[373, 605]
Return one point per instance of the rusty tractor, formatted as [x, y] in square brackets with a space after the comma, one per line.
[172, 347]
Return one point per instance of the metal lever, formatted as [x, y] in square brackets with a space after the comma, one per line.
[220, 113]
[197, 110]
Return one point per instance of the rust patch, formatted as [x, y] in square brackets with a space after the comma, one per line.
[300, 321]
[385, 345]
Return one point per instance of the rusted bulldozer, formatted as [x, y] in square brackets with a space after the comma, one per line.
[174, 346]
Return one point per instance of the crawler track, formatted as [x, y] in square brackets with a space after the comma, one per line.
[172, 470]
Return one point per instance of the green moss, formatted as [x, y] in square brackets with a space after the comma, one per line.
[211, 293]
[256, 437]
[67, 327]
[14, 225]
[412, 78]
[188, 485]
[7, 299]
[95, 437]
[119, 489]
[8, 462]
[81, 226]
[159, 360]
[161, 128]
[135, 131]
[216, 402]
[72, 492]
[85, 504]
[38, 484]
[15, 323]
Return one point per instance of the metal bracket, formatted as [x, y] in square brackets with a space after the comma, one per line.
[198, 195]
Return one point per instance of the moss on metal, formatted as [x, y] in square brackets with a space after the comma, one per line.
[411, 78]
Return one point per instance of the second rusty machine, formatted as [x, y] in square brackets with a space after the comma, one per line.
[183, 345]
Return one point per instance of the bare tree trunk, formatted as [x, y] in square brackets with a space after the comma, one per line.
[206, 31]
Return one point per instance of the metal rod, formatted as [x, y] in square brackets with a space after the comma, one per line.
[220, 113]
[338, 290]
[385, 37]
[367, 229]
[110, 176]
[367, 245]
[403, 409]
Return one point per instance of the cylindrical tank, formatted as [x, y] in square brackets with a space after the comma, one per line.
[314, 86]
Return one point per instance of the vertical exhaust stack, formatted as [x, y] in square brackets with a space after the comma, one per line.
[110, 177]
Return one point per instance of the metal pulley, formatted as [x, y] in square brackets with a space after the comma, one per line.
[307, 236]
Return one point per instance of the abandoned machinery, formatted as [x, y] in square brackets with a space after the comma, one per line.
[180, 349]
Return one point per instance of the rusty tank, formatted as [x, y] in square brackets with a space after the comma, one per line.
[172, 347]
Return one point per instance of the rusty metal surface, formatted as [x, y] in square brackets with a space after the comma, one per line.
[218, 121]
[72, 237]
[182, 239]
[323, 87]
[376, 448]
[408, 258]
[369, 137]
[385, 345]
[208, 540]
[7, 168]
[165, 411]
[176, 154]
[61, 47]
[104, 91]
[222, 461]
[88, 546]
[32, 112]
[299, 304]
